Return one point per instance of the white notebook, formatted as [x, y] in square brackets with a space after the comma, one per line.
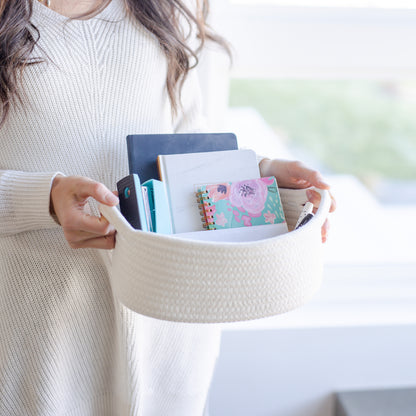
[184, 172]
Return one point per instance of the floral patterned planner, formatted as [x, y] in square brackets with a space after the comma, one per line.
[240, 204]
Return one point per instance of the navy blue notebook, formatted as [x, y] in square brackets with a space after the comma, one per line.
[143, 149]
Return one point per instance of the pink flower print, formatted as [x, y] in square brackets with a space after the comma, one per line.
[236, 216]
[249, 195]
[268, 180]
[221, 220]
[246, 220]
[269, 217]
[209, 211]
[218, 191]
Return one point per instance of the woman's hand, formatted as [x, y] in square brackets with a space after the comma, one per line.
[294, 174]
[68, 198]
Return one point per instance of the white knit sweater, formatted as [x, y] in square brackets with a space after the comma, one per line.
[67, 347]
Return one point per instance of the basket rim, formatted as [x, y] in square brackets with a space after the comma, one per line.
[114, 216]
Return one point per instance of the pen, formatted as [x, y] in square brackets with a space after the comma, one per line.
[305, 219]
[307, 209]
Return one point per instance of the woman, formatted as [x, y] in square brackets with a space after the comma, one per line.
[71, 90]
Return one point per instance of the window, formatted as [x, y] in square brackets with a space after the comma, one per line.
[363, 128]
[336, 85]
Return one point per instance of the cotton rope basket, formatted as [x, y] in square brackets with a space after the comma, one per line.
[177, 279]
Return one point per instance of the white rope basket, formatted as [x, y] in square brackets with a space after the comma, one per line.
[177, 279]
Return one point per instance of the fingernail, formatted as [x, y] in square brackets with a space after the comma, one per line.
[111, 199]
[322, 182]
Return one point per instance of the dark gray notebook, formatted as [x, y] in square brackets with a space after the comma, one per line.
[143, 149]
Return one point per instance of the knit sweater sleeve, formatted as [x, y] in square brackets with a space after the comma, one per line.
[24, 201]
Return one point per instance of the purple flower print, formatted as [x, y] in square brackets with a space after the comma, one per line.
[249, 195]
[219, 191]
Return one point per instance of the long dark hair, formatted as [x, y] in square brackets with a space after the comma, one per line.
[163, 18]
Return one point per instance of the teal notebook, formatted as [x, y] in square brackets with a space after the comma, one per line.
[240, 204]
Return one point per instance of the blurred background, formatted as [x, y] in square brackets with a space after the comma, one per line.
[331, 83]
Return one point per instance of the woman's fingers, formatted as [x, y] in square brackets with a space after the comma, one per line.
[79, 235]
[91, 236]
[91, 232]
[295, 174]
[325, 230]
[106, 242]
[304, 176]
[68, 198]
[89, 188]
[292, 174]
[79, 221]
[315, 198]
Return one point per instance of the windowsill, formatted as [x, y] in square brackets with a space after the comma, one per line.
[370, 265]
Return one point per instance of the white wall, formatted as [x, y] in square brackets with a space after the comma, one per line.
[321, 42]
[294, 372]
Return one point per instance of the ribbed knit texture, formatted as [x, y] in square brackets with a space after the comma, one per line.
[67, 346]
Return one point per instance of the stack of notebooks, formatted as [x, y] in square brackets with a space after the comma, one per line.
[205, 187]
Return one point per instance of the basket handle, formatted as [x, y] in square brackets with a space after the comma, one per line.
[114, 217]
[324, 206]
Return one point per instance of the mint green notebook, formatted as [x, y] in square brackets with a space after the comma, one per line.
[240, 204]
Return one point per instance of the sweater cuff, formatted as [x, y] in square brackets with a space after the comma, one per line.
[30, 193]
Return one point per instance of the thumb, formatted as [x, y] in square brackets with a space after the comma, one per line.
[98, 191]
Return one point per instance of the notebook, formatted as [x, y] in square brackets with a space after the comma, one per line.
[158, 207]
[243, 203]
[183, 173]
[143, 149]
